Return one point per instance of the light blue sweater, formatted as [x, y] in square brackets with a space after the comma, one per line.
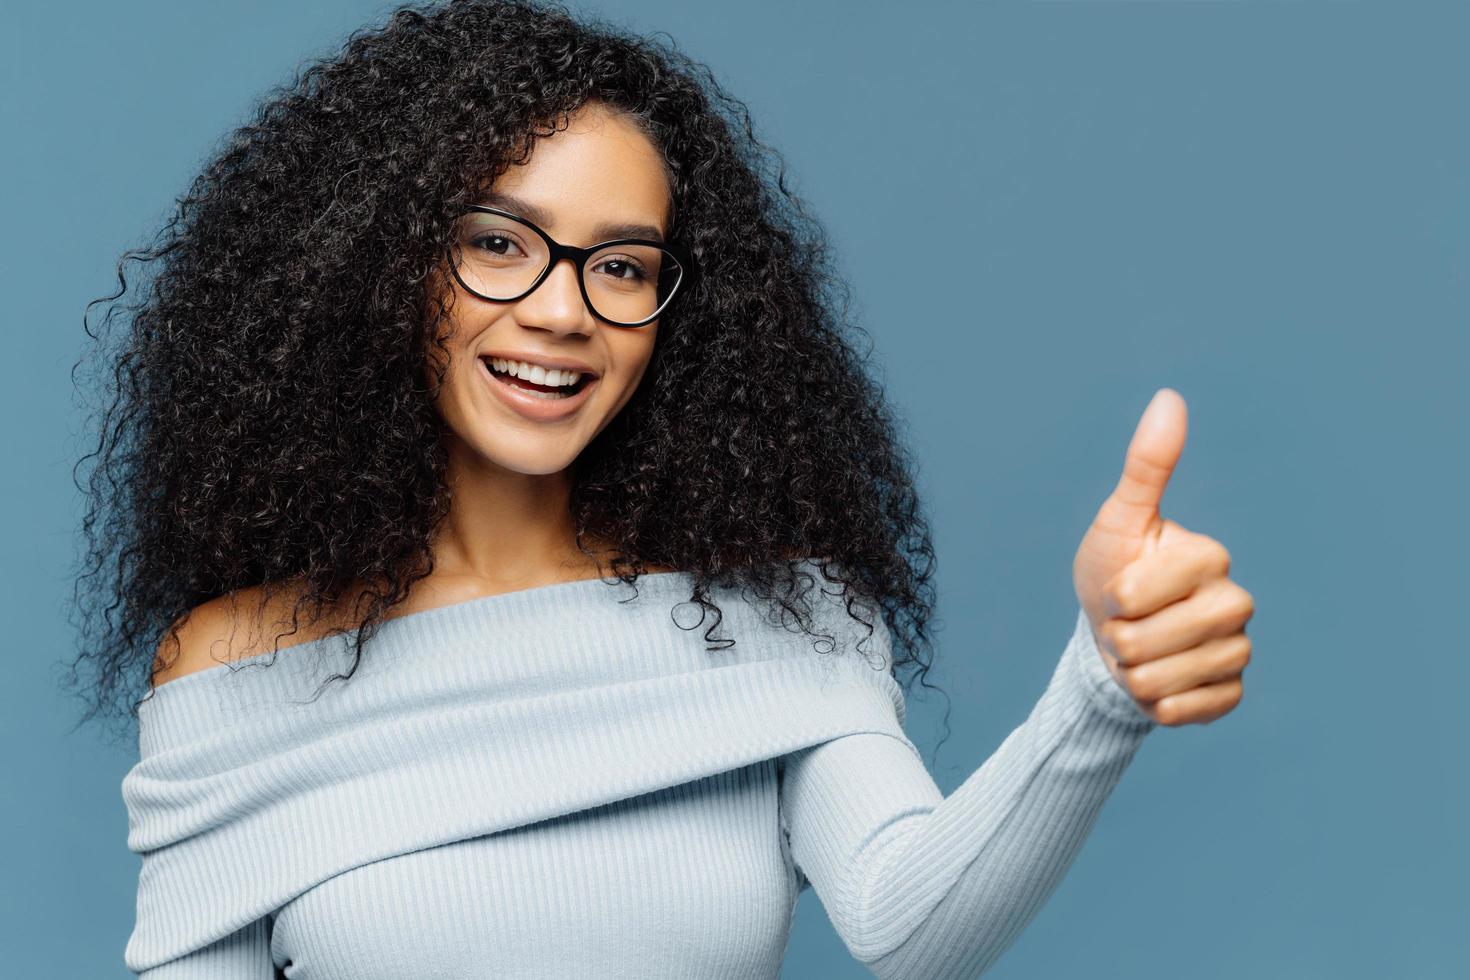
[563, 782]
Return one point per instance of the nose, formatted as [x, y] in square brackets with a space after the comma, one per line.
[557, 303]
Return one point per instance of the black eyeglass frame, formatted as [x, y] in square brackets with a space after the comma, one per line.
[579, 256]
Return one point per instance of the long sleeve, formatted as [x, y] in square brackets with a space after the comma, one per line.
[920, 885]
[242, 955]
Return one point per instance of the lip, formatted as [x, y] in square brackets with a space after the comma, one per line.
[547, 362]
[531, 407]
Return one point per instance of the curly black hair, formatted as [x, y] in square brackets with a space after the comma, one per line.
[272, 411]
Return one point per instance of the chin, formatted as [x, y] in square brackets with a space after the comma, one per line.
[527, 460]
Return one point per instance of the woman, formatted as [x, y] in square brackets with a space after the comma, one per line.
[371, 420]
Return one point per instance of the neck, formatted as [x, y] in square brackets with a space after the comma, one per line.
[508, 530]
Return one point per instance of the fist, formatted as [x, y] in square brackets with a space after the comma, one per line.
[1168, 621]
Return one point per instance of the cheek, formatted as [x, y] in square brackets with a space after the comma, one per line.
[456, 401]
[630, 368]
[640, 355]
[633, 372]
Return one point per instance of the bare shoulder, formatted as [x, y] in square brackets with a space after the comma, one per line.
[227, 628]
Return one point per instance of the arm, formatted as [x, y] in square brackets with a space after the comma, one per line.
[242, 955]
[919, 885]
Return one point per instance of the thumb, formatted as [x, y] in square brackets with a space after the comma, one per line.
[1152, 454]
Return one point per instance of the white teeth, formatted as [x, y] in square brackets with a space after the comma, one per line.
[535, 373]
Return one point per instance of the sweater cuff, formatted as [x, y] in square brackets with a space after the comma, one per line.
[1102, 687]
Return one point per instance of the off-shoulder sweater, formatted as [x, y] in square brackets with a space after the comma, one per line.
[572, 780]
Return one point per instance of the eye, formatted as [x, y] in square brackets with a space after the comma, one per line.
[495, 244]
[620, 266]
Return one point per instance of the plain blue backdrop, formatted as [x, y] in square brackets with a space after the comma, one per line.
[1047, 211]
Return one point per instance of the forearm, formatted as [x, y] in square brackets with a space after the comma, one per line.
[950, 894]
[922, 885]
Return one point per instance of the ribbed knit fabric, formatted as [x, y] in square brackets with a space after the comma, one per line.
[563, 781]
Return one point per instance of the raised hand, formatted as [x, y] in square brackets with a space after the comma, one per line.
[1169, 622]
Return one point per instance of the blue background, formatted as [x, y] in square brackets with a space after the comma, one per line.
[1047, 211]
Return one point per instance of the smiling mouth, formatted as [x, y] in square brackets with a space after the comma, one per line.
[541, 391]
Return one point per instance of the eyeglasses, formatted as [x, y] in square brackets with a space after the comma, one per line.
[628, 282]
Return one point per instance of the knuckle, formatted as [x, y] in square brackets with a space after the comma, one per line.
[1245, 604]
[1235, 602]
[1221, 555]
[1121, 595]
[1168, 713]
[1242, 652]
[1140, 683]
[1124, 639]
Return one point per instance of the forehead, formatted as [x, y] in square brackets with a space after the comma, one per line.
[601, 171]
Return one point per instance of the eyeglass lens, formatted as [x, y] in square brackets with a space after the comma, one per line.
[499, 257]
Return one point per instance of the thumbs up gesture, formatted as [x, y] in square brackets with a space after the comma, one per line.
[1169, 622]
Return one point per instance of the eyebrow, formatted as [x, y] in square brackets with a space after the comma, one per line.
[603, 232]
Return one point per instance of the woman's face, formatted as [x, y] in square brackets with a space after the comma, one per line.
[599, 172]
